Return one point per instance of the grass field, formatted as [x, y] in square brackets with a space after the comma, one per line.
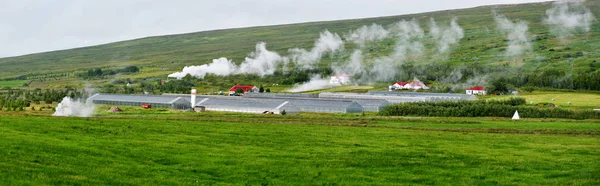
[561, 99]
[162, 147]
[14, 83]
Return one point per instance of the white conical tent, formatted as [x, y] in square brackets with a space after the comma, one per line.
[516, 116]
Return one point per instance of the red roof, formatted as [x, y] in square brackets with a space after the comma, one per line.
[245, 88]
[401, 83]
[421, 84]
[477, 88]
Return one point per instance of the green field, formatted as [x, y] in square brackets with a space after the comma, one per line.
[14, 83]
[152, 147]
[561, 99]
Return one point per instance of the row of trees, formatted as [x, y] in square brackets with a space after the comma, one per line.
[483, 109]
[98, 72]
[17, 100]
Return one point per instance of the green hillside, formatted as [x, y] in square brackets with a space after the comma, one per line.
[482, 44]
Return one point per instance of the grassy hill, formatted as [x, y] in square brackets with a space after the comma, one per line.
[164, 54]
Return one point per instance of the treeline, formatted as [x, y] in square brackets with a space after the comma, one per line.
[98, 72]
[483, 108]
[558, 79]
[17, 100]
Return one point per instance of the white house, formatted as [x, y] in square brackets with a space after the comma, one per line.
[478, 90]
[340, 79]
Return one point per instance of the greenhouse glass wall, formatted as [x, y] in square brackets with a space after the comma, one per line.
[246, 105]
[137, 100]
[331, 105]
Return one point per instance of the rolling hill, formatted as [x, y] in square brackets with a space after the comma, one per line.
[482, 43]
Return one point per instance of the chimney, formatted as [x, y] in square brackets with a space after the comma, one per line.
[193, 100]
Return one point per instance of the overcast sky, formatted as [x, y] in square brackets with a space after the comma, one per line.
[31, 26]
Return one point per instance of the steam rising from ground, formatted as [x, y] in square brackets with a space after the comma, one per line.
[365, 69]
[264, 62]
[70, 107]
[315, 83]
[367, 33]
[327, 42]
[446, 37]
[261, 62]
[567, 17]
[517, 35]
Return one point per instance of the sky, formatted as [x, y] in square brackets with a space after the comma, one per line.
[32, 26]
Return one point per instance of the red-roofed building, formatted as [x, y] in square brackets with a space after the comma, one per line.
[399, 85]
[477, 90]
[246, 89]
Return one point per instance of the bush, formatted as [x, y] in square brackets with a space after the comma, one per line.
[283, 112]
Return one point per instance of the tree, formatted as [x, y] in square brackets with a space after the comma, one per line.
[283, 112]
[239, 91]
[268, 90]
[261, 89]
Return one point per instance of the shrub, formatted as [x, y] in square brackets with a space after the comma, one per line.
[283, 112]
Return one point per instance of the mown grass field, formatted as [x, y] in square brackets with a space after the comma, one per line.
[14, 83]
[561, 99]
[162, 147]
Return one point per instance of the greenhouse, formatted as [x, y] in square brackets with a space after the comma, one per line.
[246, 105]
[355, 96]
[327, 106]
[371, 105]
[332, 105]
[137, 100]
[428, 96]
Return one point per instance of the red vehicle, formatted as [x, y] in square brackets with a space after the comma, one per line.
[146, 106]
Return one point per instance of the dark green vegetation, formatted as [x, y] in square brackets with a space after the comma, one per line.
[484, 108]
[566, 64]
[161, 148]
[19, 100]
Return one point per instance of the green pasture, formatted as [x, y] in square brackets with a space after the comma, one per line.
[561, 99]
[12, 83]
[163, 147]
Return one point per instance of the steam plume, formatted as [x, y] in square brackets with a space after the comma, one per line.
[70, 107]
[315, 83]
[567, 17]
[446, 37]
[261, 62]
[264, 62]
[517, 35]
[327, 42]
[367, 33]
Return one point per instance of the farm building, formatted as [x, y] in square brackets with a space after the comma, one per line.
[478, 90]
[415, 85]
[426, 96]
[179, 103]
[247, 105]
[371, 105]
[340, 79]
[246, 89]
[355, 96]
[327, 106]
